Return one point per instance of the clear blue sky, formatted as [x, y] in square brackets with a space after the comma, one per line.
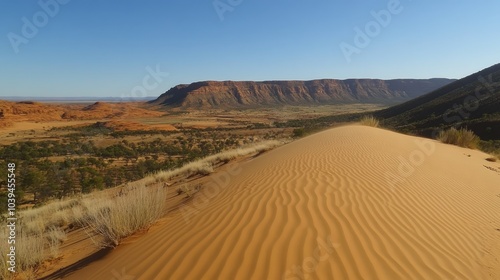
[102, 48]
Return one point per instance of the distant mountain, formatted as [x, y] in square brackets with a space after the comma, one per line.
[211, 94]
[472, 102]
[77, 99]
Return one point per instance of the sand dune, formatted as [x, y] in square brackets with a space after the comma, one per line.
[335, 205]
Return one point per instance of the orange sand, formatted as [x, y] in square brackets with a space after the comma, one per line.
[330, 206]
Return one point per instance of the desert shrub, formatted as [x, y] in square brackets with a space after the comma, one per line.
[460, 137]
[113, 220]
[369, 121]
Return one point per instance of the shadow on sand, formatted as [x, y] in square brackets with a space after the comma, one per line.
[66, 271]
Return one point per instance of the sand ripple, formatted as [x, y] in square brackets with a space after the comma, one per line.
[323, 208]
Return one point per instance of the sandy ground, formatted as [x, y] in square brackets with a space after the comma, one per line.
[30, 125]
[348, 203]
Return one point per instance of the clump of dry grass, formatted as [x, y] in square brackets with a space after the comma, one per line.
[198, 167]
[4, 249]
[31, 250]
[460, 137]
[369, 121]
[39, 234]
[54, 214]
[113, 220]
[55, 237]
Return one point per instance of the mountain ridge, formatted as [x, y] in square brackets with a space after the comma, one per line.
[472, 102]
[214, 94]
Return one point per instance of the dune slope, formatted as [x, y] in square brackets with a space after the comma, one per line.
[340, 204]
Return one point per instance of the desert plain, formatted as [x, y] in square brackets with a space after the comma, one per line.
[348, 201]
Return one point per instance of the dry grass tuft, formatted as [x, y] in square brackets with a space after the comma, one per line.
[460, 137]
[113, 220]
[31, 250]
[369, 121]
[54, 214]
[39, 234]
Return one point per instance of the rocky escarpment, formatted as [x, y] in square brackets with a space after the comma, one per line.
[212, 94]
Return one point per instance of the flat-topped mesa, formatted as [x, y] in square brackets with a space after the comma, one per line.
[213, 94]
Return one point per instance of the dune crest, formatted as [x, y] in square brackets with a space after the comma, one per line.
[348, 203]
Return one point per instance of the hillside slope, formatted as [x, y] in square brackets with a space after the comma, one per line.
[211, 94]
[472, 102]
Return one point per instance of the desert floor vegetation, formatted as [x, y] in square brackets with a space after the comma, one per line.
[107, 216]
[83, 159]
